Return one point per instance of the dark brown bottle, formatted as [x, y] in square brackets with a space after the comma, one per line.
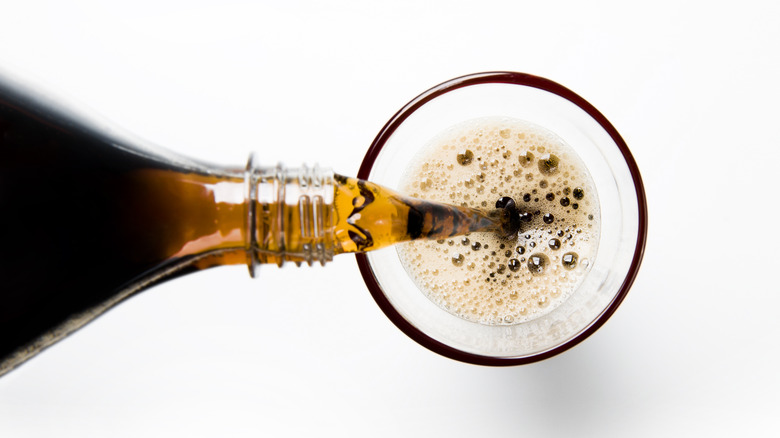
[90, 215]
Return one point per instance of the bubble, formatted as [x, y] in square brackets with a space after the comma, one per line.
[527, 197]
[526, 158]
[514, 265]
[520, 250]
[543, 183]
[569, 260]
[554, 244]
[505, 202]
[537, 263]
[465, 241]
[575, 206]
[457, 259]
[578, 193]
[548, 218]
[548, 164]
[550, 197]
[465, 157]
[565, 201]
[476, 246]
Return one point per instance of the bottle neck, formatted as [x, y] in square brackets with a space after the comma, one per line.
[289, 215]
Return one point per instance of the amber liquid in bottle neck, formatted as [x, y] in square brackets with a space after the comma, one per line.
[275, 215]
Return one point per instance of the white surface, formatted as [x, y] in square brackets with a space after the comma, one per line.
[692, 87]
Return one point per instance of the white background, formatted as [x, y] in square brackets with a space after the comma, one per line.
[691, 86]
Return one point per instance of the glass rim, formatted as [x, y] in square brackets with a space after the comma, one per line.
[510, 78]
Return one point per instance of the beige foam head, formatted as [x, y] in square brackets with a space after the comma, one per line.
[486, 278]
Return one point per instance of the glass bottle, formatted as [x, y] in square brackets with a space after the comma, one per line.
[90, 215]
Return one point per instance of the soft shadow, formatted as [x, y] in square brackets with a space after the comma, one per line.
[581, 392]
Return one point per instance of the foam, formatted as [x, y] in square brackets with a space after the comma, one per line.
[504, 281]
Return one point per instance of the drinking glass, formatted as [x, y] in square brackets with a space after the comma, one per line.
[622, 204]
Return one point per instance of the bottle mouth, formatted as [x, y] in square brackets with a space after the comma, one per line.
[621, 197]
[272, 237]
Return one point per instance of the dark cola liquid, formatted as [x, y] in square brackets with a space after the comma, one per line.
[83, 221]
